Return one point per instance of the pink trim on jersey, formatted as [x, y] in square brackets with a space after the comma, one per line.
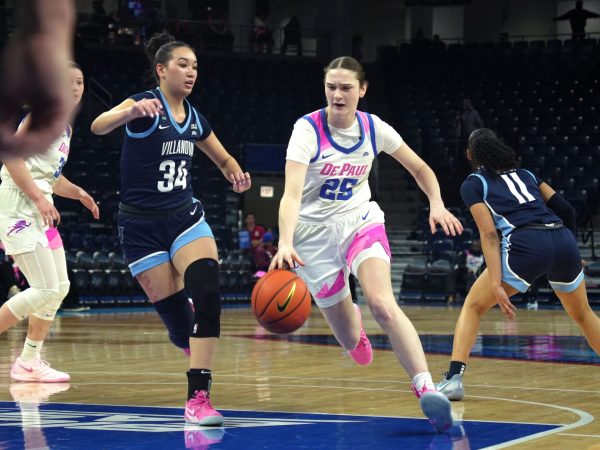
[362, 116]
[54, 239]
[316, 117]
[336, 287]
[365, 238]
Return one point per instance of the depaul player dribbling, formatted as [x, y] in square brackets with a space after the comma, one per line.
[327, 221]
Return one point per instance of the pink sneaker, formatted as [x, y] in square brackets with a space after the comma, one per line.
[201, 438]
[363, 353]
[199, 410]
[36, 370]
[436, 407]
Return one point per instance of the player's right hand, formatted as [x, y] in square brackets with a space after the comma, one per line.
[286, 258]
[146, 107]
[49, 213]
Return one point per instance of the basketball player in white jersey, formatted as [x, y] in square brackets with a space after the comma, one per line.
[329, 227]
[27, 220]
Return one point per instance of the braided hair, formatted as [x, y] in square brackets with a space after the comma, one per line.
[488, 151]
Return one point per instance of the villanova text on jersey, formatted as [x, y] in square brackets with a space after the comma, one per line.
[156, 159]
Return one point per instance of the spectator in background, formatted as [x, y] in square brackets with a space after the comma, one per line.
[577, 18]
[263, 254]
[263, 36]
[470, 267]
[256, 231]
[468, 120]
[292, 36]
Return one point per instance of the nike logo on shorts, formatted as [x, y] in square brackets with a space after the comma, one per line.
[365, 216]
[193, 211]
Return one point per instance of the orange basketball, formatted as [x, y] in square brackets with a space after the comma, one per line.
[281, 301]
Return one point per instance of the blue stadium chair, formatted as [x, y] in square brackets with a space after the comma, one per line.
[440, 282]
[414, 281]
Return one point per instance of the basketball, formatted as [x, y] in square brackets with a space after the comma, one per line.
[281, 301]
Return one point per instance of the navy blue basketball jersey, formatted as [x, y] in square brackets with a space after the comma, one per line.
[513, 198]
[156, 159]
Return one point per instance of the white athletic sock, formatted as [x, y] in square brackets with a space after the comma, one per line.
[31, 349]
[423, 379]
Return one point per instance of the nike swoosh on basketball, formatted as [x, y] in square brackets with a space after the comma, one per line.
[193, 211]
[365, 216]
[281, 308]
[160, 127]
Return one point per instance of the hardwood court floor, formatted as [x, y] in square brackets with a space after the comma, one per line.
[124, 358]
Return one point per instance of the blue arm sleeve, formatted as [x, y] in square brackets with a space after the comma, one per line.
[471, 191]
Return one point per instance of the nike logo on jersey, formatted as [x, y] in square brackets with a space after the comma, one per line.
[162, 127]
[365, 216]
[326, 156]
[193, 211]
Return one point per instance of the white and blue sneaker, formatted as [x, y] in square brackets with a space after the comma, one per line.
[452, 388]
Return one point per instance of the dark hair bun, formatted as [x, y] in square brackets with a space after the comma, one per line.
[156, 42]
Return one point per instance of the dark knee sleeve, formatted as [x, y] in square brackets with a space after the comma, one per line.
[202, 282]
[176, 313]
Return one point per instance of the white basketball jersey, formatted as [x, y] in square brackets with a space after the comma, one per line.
[44, 168]
[339, 162]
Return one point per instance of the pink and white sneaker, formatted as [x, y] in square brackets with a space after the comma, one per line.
[200, 411]
[37, 370]
[436, 407]
[363, 353]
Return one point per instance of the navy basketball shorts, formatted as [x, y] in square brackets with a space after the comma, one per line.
[530, 253]
[149, 241]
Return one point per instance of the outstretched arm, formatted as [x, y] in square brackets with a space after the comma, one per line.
[428, 183]
[65, 188]
[565, 16]
[230, 168]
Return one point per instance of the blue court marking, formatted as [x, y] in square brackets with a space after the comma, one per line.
[561, 349]
[76, 426]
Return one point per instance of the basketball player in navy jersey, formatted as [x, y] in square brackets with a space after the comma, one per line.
[166, 241]
[538, 239]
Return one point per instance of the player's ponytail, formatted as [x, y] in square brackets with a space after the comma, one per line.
[487, 150]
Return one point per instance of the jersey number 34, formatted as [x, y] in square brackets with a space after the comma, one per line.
[173, 176]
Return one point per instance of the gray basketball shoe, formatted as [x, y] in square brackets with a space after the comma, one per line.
[452, 388]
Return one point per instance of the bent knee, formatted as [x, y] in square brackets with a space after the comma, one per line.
[383, 310]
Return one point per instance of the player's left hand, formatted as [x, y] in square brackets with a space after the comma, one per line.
[88, 201]
[241, 181]
[449, 223]
[506, 306]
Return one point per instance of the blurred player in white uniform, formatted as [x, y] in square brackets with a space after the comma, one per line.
[27, 231]
[329, 227]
